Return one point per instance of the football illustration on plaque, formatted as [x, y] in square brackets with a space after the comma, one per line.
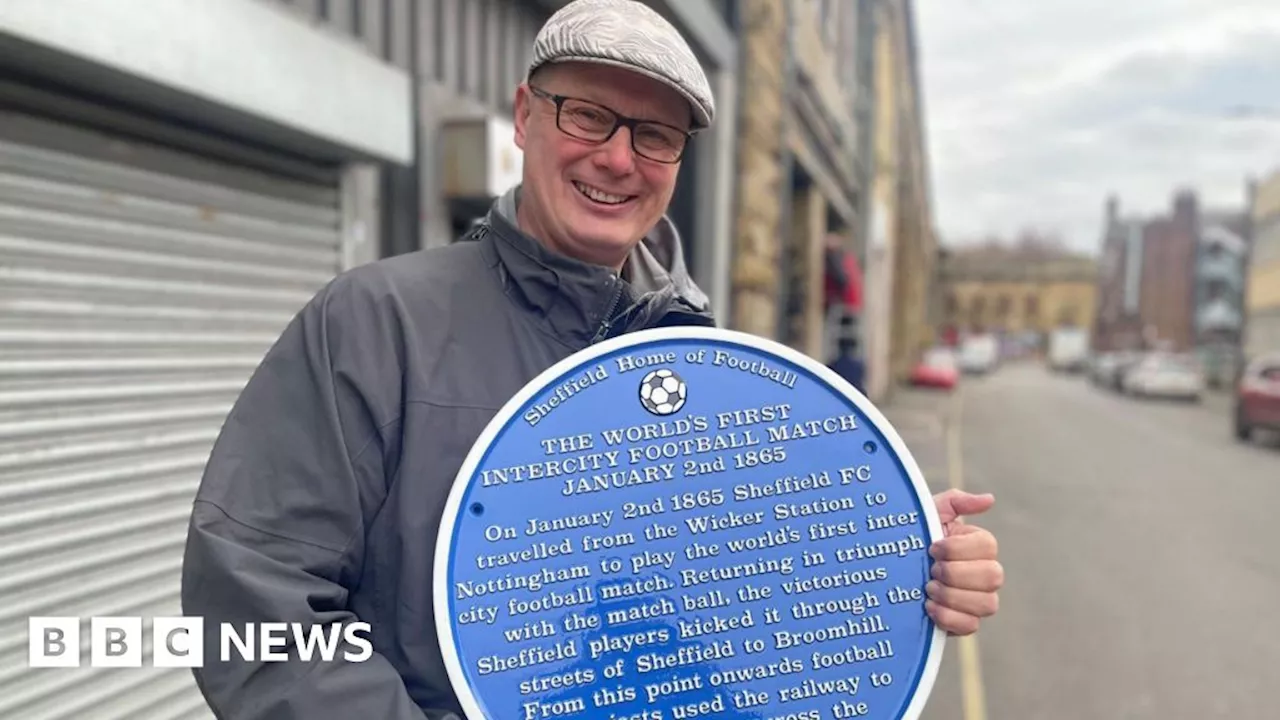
[663, 392]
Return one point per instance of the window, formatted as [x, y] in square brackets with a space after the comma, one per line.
[977, 309]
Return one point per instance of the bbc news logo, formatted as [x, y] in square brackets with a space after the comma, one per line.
[54, 642]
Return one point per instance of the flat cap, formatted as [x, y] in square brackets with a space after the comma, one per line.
[630, 35]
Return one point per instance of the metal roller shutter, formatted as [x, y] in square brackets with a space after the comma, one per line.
[134, 304]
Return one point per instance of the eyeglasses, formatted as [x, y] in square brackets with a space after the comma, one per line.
[594, 123]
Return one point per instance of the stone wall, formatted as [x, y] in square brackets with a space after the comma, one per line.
[915, 259]
[884, 220]
[757, 238]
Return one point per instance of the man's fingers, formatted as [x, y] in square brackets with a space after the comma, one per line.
[969, 602]
[952, 621]
[980, 575]
[966, 574]
[966, 542]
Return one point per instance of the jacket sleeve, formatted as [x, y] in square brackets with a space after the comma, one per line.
[278, 526]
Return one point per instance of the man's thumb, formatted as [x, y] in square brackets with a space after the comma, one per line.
[957, 503]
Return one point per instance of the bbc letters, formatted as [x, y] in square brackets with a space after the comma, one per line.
[179, 642]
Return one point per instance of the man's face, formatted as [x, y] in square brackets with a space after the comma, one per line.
[587, 200]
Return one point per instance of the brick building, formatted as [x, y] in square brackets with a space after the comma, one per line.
[1146, 283]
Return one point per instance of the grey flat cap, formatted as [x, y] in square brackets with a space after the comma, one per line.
[630, 35]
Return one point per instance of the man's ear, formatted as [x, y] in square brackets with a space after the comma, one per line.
[523, 108]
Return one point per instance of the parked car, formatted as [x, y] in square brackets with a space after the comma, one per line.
[1258, 397]
[937, 369]
[1109, 369]
[1101, 368]
[1165, 375]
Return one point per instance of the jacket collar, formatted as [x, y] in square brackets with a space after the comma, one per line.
[584, 303]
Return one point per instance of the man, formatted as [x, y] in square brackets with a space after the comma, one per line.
[323, 496]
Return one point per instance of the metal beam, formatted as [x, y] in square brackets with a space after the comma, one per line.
[243, 65]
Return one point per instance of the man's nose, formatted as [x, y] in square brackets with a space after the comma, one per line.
[616, 155]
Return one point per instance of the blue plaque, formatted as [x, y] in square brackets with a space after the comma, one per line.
[688, 523]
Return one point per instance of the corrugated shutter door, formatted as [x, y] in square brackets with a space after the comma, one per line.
[134, 305]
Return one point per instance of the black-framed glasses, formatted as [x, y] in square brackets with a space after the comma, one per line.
[595, 123]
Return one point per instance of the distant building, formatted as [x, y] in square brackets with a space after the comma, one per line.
[1262, 289]
[1117, 325]
[1146, 285]
[1221, 268]
[1016, 292]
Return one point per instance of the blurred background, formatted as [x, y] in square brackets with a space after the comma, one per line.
[1043, 237]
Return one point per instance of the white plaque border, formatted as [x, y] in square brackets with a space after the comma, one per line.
[509, 412]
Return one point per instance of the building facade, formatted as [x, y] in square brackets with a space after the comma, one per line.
[1015, 293]
[1221, 266]
[915, 270]
[1262, 289]
[798, 151]
[176, 181]
[831, 154]
[1117, 324]
[168, 200]
[1167, 296]
[900, 247]
[1147, 281]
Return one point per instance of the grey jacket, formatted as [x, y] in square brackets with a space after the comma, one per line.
[324, 492]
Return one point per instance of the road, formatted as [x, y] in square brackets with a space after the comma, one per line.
[1138, 538]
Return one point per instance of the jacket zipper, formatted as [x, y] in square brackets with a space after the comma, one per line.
[607, 324]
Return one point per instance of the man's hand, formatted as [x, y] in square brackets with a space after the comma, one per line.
[966, 574]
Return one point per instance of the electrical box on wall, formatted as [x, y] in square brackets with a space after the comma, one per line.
[480, 158]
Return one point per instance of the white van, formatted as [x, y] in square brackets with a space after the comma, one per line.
[1068, 350]
[979, 354]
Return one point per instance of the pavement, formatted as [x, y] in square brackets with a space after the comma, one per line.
[927, 422]
[1142, 571]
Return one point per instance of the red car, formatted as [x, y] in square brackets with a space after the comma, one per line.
[1258, 397]
[937, 369]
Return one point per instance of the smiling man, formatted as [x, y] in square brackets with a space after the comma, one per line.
[602, 147]
[324, 494]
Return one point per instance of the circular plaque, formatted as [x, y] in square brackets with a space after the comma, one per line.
[688, 523]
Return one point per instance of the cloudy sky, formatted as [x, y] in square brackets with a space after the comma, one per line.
[1037, 109]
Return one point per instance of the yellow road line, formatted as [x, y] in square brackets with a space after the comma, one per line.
[975, 701]
[955, 458]
[971, 688]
